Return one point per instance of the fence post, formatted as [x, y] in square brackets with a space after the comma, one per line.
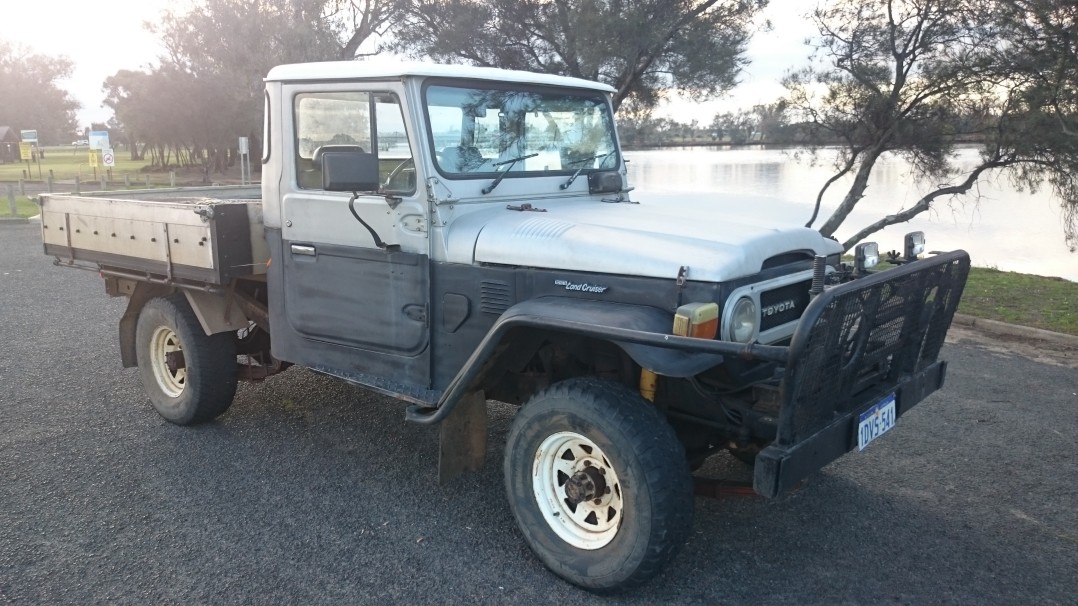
[104, 183]
[11, 200]
[127, 180]
[50, 180]
[78, 186]
[172, 178]
[22, 187]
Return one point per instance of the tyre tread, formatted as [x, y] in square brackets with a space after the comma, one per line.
[214, 354]
[661, 456]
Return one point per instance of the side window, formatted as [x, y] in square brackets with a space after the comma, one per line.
[328, 121]
[352, 121]
[395, 163]
[266, 130]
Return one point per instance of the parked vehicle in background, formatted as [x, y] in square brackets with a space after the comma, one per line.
[448, 234]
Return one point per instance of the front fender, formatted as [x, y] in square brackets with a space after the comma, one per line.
[642, 332]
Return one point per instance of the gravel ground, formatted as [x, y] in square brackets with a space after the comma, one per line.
[311, 491]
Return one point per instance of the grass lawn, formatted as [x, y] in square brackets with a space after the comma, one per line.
[1037, 301]
[66, 162]
[24, 207]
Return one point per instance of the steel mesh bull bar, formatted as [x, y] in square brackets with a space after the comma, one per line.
[854, 344]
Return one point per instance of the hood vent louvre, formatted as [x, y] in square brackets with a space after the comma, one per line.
[494, 296]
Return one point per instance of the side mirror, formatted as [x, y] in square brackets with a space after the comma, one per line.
[605, 182]
[353, 171]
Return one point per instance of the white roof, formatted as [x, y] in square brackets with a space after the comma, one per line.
[348, 70]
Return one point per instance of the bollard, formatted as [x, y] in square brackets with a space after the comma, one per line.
[147, 181]
[172, 178]
[127, 180]
[11, 200]
[78, 188]
[104, 183]
[50, 181]
[22, 188]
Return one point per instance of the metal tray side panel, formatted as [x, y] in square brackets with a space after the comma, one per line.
[210, 237]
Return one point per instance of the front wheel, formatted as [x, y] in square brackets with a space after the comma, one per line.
[189, 376]
[598, 484]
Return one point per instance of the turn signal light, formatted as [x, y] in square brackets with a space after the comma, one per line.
[698, 320]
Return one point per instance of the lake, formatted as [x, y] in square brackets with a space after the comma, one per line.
[1006, 229]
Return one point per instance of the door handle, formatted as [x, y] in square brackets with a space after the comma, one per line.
[303, 249]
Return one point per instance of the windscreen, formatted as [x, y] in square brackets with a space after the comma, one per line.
[522, 131]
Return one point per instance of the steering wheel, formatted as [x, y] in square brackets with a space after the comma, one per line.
[397, 170]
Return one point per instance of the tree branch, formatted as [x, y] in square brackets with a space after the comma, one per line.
[924, 203]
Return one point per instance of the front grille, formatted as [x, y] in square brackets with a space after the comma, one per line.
[783, 305]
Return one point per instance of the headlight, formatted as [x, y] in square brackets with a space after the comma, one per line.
[743, 321]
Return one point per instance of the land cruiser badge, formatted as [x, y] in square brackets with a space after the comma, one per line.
[580, 286]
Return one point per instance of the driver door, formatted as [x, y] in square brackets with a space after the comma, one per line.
[352, 308]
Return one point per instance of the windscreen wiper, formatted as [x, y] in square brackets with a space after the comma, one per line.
[510, 162]
[582, 160]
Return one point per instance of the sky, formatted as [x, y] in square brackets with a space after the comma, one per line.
[105, 36]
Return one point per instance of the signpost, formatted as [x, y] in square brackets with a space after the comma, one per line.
[245, 160]
[108, 158]
[26, 150]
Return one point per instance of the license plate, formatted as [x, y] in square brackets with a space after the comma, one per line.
[876, 421]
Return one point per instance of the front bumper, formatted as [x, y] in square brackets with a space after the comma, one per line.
[780, 468]
[854, 345]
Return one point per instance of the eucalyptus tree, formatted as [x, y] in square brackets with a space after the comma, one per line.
[640, 47]
[30, 93]
[917, 77]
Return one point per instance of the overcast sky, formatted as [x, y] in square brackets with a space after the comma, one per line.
[104, 36]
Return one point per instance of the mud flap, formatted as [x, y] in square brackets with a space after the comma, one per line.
[462, 439]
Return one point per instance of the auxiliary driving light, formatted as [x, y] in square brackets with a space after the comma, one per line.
[866, 256]
[915, 245]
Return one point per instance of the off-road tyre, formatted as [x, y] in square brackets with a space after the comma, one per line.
[636, 447]
[203, 388]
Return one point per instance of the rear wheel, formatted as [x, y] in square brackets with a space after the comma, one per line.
[598, 483]
[189, 376]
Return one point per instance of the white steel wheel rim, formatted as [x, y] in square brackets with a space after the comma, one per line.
[163, 342]
[587, 524]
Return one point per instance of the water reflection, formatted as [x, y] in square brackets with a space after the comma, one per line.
[1007, 229]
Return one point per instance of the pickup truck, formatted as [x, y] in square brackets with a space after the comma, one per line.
[447, 235]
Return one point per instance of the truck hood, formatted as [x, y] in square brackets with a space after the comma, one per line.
[627, 239]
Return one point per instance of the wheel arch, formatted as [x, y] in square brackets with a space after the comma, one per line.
[529, 322]
[212, 310]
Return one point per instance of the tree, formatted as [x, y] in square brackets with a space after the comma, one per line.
[908, 77]
[30, 96]
[640, 47]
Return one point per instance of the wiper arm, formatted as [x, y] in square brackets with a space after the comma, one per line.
[581, 169]
[510, 162]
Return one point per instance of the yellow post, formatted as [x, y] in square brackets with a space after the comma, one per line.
[649, 383]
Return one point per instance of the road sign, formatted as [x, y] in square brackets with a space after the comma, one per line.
[28, 136]
[93, 158]
[99, 139]
[245, 146]
[26, 150]
[108, 158]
